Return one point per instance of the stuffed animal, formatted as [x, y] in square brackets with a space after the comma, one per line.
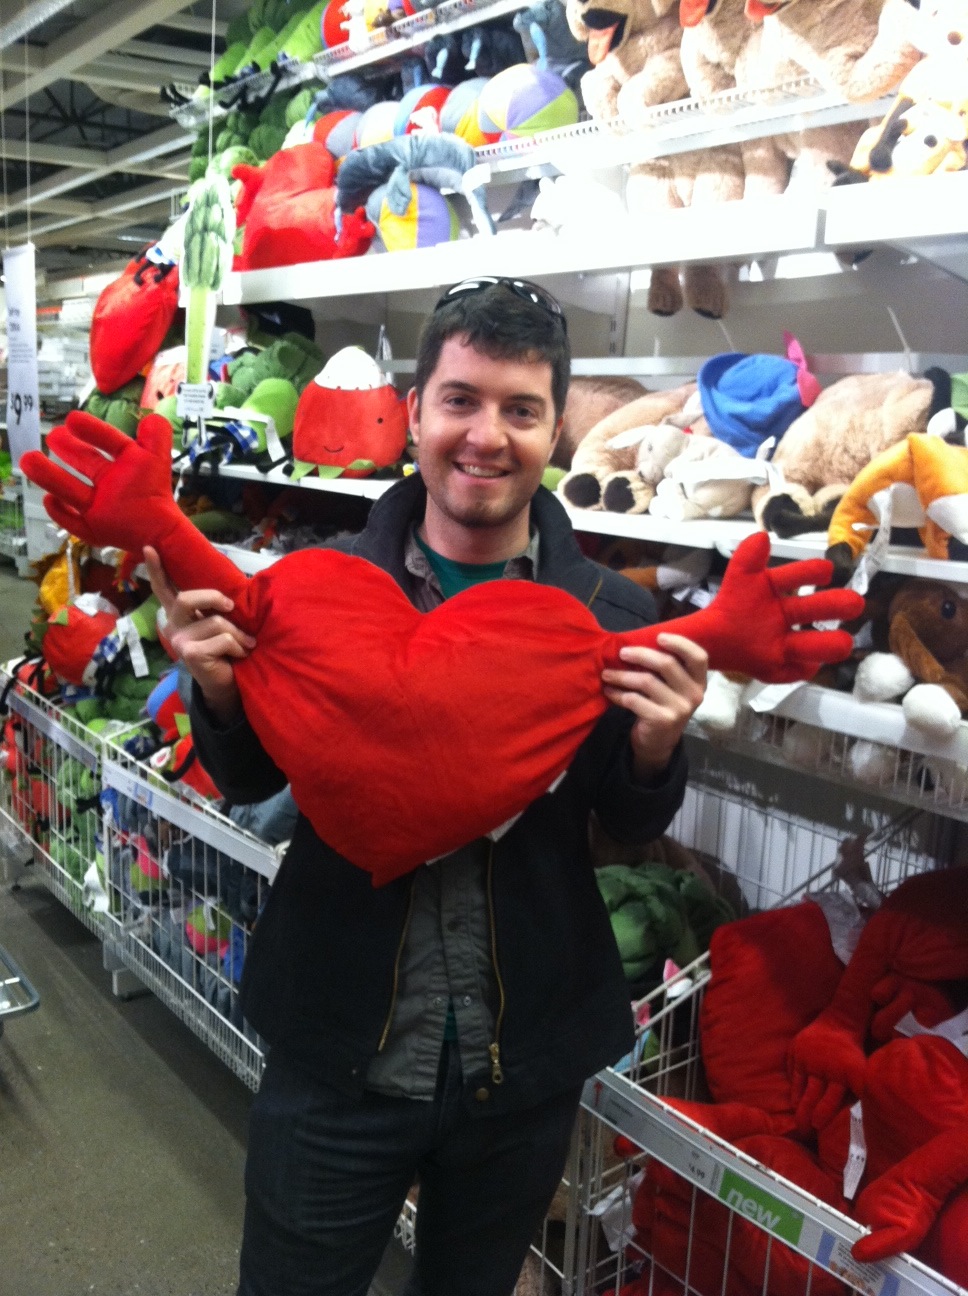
[590, 398]
[860, 49]
[634, 52]
[926, 128]
[849, 424]
[288, 208]
[721, 51]
[527, 693]
[929, 478]
[598, 464]
[548, 41]
[350, 420]
[131, 320]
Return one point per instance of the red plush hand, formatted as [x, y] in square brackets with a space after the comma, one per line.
[901, 1206]
[826, 1064]
[355, 235]
[750, 625]
[127, 500]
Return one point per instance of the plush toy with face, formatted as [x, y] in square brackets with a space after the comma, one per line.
[349, 420]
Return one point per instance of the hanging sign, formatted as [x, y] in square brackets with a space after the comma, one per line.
[23, 400]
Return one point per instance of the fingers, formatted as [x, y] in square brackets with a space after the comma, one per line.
[95, 432]
[56, 480]
[812, 1092]
[827, 605]
[816, 646]
[830, 1103]
[154, 435]
[67, 518]
[82, 457]
[809, 571]
[161, 586]
[751, 554]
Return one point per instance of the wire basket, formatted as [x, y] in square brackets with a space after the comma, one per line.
[184, 886]
[691, 1188]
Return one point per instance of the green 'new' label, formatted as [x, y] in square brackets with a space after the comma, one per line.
[760, 1207]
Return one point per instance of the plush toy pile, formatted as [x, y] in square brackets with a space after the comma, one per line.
[850, 1081]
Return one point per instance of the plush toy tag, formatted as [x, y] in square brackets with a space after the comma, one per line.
[955, 1029]
[94, 896]
[128, 632]
[857, 1155]
[195, 400]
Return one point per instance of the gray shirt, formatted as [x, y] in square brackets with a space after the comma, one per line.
[446, 954]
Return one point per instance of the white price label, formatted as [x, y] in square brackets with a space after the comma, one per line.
[23, 398]
[195, 400]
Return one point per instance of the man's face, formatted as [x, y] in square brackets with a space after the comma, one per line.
[484, 429]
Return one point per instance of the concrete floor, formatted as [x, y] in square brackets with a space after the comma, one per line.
[122, 1138]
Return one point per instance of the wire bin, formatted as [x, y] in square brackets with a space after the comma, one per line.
[692, 1215]
[50, 797]
[13, 529]
[184, 887]
[17, 994]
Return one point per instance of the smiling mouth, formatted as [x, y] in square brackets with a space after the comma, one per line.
[479, 472]
[332, 449]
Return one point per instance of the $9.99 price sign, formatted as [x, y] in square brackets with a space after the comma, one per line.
[23, 401]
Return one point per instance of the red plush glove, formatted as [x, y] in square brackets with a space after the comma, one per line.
[901, 1206]
[127, 501]
[749, 626]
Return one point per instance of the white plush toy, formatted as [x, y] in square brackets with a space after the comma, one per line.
[578, 205]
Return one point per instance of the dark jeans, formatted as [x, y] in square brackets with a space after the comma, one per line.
[327, 1176]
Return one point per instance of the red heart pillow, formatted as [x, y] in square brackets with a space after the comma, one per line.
[131, 319]
[406, 734]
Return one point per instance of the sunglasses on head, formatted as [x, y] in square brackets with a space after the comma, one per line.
[523, 288]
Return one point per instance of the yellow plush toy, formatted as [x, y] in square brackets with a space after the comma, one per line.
[933, 478]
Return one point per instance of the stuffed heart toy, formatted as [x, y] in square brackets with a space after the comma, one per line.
[508, 673]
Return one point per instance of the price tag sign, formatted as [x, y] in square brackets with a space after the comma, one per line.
[23, 400]
[195, 400]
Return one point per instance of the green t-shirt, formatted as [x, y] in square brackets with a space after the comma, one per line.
[457, 576]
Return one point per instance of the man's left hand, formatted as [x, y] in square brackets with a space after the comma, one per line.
[662, 687]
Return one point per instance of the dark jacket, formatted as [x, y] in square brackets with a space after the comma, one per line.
[318, 982]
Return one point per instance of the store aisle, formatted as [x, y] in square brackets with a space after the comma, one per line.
[122, 1138]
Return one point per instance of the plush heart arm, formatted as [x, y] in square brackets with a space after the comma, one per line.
[750, 625]
[126, 500]
[901, 1206]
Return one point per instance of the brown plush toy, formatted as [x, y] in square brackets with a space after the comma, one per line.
[860, 49]
[596, 463]
[929, 632]
[848, 425]
[589, 400]
[722, 51]
[633, 46]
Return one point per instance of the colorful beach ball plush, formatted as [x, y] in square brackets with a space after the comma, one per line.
[523, 100]
[429, 219]
[331, 24]
[337, 130]
[420, 109]
[459, 114]
[377, 123]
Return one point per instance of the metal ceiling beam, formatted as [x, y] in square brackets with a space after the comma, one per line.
[85, 42]
[165, 53]
[30, 17]
[197, 26]
[157, 144]
[51, 154]
[101, 215]
[129, 73]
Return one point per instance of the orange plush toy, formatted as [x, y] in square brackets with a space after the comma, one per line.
[288, 209]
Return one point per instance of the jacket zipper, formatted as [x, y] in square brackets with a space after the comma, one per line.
[497, 1074]
[396, 968]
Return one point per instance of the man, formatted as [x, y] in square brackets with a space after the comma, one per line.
[440, 1028]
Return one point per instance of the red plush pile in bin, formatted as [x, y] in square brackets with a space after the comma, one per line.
[790, 1041]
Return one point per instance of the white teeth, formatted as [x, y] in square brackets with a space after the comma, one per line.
[473, 470]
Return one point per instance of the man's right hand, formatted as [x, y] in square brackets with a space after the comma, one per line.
[203, 638]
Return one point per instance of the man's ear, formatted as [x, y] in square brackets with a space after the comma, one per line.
[413, 414]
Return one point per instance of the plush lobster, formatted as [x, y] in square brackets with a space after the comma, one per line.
[507, 674]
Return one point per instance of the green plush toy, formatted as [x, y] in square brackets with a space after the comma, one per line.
[305, 39]
[658, 913]
[122, 409]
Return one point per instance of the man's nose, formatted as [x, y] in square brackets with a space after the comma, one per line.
[488, 431]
